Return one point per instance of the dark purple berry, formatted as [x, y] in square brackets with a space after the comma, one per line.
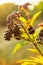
[31, 30]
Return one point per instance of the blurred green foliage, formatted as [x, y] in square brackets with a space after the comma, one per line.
[37, 8]
[5, 10]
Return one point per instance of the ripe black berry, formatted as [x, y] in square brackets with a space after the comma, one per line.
[31, 30]
[7, 35]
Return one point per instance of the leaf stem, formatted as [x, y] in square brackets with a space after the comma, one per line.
[35, 44]
[38, 49]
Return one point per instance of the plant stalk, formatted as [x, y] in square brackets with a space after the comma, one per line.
[32, 41]
[35, 44]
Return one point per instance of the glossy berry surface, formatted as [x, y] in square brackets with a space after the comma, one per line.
[7, 35]
[31, 30]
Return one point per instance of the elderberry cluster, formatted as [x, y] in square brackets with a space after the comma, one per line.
[15, 31]
[8, 34]
[13, 28]
[13, 20]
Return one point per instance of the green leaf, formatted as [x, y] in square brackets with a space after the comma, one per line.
[16, 48]
[23, 20]
[34, 17]
[37, 32]
[33, 50]
[25, 35]
[19, 45]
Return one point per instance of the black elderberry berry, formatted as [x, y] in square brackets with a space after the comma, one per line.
[7, 35]
[31, 30]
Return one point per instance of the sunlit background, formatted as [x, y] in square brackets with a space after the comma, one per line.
[20, 2]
